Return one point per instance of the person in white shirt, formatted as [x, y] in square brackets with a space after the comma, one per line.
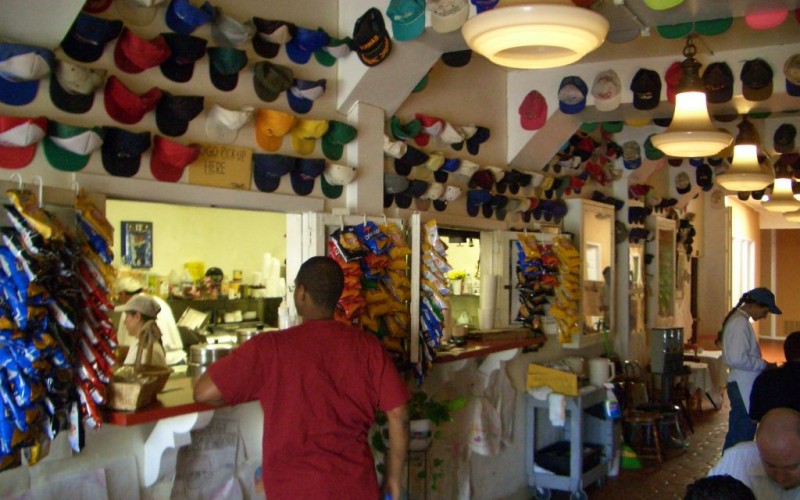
[770, 465]
[140, 323]
[128, 287]
[742, 354]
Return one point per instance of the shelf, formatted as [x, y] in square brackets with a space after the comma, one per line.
[510, 339]
[176, 399]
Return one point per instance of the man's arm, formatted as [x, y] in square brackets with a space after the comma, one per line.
[206, 391]
[398, 446]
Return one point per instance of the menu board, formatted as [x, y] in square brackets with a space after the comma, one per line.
[222, 166]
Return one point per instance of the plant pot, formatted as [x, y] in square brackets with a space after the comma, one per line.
[420, 434]
[455, 285]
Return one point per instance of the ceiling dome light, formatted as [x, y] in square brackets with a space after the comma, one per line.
[745, 173]
[691, 133]
[782, 198]
[536, 35]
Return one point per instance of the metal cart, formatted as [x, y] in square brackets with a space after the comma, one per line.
[581, 428]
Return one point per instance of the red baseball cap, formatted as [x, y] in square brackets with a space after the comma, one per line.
[18, 139]
[133, 54]
[125, 106]
[673, 78]
[533, 111]
[169, 158]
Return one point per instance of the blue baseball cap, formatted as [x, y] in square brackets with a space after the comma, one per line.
[764, 297]
[475, 199]
[572, 95]
[87, 37]
[482, 5]
[269, 168]
[21, 68]
[304, 43]
[304, 173]
[407, 18]
[183, 17]
[302, 94]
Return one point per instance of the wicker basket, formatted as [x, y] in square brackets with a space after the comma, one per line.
[161, 373]
[128, 394]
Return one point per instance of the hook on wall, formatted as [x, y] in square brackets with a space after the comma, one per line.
[341, 222]
[37, 179]
[18, 177]
[364, 220]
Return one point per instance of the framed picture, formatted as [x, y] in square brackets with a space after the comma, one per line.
[137, 244]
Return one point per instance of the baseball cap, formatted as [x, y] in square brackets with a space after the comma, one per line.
[476, 198]
[128, 284]
[125, 106]
[791, 69]
[122, 150]
[451, 193]
[68, 147]
[72, 87]
[174, 112]
[337, 135]
[302, 94]
[646, 87]
[480, 136]
[169, 158]
[185, 51]
[271, 126]
[448, 15]
[270, 35]
[533, 111]
[704, 175]
[183, 16]
[269, 168]
[406, 131]
[662, 4]
[784, 137]
[305, 134]
[336, 48]
[718, 82]
[304, 43]
[771, 17]
[224, 66]
[222, 124]
[457, 58]
[96, 6]
[607, 91]
[370, 39]
[411, 158]
[269, 80]
[391, 147]
[87, 37]
[21, 68]
[305, 171]
[416, 188]
[450, 134]
[673, 78]
[229, 31]
[756, 76]
[147, 306]
[713, 27]
[682, 183]
[764, 297]
[651, 152]
[483, 5]
[675, 31]
[394, 184]
[407, 18]
[334, 178]
[612, 127]
[138, 12]
[134, 54]
[18, 139]
[572, 95]
[631, 155]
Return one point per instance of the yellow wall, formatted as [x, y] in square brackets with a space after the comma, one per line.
[745, 225]
[224, 238]
[787, 276]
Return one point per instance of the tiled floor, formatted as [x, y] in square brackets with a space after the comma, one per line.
[668, 480]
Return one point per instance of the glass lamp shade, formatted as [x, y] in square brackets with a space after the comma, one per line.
[536, 35]
[782, 199]
[792, 216]
[745, 173]
[691, 133]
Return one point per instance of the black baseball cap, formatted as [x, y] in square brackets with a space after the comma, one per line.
[371, 41]
[224, 66]
[646, 87]
[718, 82]
[186, 50]
[174, 112]
[269, 168]
[122, 150]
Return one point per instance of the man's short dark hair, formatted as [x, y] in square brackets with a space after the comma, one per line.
[723, 487]
[323, 279]
[791, 347]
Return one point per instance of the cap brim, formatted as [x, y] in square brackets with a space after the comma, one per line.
[14, 158]
[332, 151]
[65, 101]
[301, 187]
[299, 105]
[303, 146]
[61, 159]
[264, 48]
[127, 166]
[18, 93]
[225, 83]
[179, 73]
[134, 14]
[329, 190]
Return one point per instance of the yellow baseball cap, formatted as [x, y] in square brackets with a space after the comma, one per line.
[271, 126]
[305, 134]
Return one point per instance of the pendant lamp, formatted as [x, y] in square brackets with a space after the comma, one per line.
[782, 198]
[792, 216]
[535, 34]
[691, 133]
[745, 173]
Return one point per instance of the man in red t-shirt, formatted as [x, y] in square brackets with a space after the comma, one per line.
[319, 384]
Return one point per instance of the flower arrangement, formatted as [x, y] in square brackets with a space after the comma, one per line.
[455, 274]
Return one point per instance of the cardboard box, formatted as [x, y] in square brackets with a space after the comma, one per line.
[562, 382]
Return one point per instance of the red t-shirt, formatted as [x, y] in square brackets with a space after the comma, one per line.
[319, 384]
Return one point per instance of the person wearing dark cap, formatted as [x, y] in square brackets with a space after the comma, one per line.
[320, 385]
[778, 388]
[742, 354]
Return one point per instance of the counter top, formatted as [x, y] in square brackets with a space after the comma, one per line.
[176, 399]
[491, 341]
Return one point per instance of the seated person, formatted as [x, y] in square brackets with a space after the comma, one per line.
[140, 322]
[128, 287]
[779, 387]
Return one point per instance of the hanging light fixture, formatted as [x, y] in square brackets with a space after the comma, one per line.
[691, 133]
[536, 34]
[745, 173]
[792, 216]
[782, 198]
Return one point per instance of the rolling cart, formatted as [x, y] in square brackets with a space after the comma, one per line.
[585, 446]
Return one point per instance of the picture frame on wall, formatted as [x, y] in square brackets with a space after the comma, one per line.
[137, 244]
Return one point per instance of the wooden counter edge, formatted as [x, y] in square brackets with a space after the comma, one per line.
[488, 345]
[176, 399]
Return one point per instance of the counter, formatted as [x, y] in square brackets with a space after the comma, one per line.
[487, 342]
[176, 399]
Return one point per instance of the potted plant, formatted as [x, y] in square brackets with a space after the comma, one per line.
[456, 279]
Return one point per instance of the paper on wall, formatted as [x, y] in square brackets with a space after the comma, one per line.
[206, 469]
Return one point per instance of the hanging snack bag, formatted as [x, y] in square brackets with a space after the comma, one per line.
[373, 238]
[347, 243]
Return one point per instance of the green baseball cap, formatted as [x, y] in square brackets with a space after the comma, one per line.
[338, 134]
[403, 132]
[68, 148]
[674, 31]
[336, 48]
[651, 152]
[613, 127]
[589, 127]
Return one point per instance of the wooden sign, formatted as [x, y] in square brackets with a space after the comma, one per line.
[222, 166]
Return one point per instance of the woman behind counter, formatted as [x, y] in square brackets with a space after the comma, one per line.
[141, 312]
